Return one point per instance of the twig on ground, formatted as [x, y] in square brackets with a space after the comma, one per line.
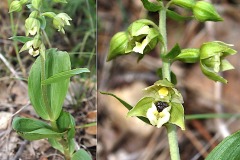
[9, 66]
[20, 150]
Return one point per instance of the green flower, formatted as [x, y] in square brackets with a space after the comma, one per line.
[143, 36]
[60, 20]
[32, 26]
[212, 59]
[34, 47]
[161, 104]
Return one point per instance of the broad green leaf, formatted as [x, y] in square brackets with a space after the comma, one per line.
[31, 129]
[64, 75]
[65, 122]
[55, 144]
[228, 149]
[141, 107]
[21, 39]
[56, 62]
[153, 7]
[175, 51]
[128, 106]
[81, 155]
[71, 145]
[177, 17]
[35, 90]
[177, 115]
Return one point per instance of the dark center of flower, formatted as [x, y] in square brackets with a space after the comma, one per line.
[161, 105]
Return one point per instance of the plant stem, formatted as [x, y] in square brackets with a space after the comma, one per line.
[171, 129]
[14, 33]
[172, 140]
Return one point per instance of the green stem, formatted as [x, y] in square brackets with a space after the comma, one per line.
[173, 143]
[14, 33]
[171, 129]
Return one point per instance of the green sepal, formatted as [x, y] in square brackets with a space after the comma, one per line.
[177, 17]
[23, 2]
[136, 26]
[22, 39]
[81, 155]
[128, 106]
[229, 148]
[15, 6]
[31, 129]
[210, 49]
[118, 45]
[177, 115]
[173, 76]
[175, 51]
[188, 4]
[152, 7]
[64, 75]
[60, 1]
[225, 65]
[49, 14]
[190, 55]
[140, 109]
[211, 74]
[37, 4]
[34, 88]
[204, 11]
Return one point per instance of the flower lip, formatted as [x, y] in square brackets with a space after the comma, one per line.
[161, 105]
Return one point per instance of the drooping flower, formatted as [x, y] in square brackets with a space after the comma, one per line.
[212, 59]
[60, 20]
[34, 47]
[32, 26]
[161, 104]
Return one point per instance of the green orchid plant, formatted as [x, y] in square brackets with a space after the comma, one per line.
[48, 82]
[162, 102]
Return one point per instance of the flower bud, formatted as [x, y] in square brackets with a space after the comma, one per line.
[15, 6]
[118, 45]
[190, 55]
[204, 11]
[189, 4]
[212, 60]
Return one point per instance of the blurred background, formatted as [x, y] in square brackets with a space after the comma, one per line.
[80, 42]
[122, 138]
